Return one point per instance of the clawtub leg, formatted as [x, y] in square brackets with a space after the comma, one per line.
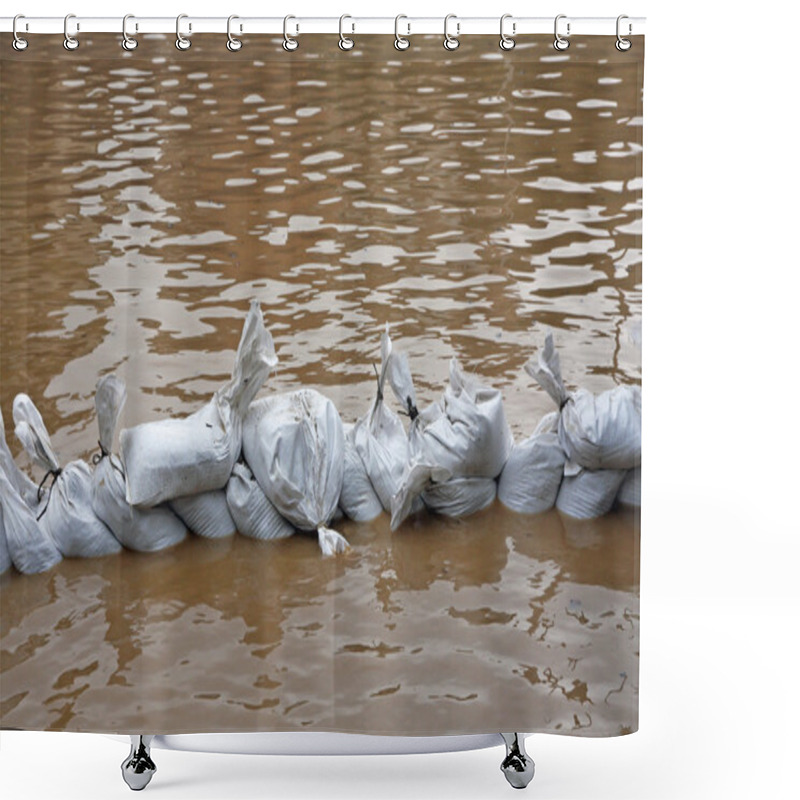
[517, 766]
[138, 768]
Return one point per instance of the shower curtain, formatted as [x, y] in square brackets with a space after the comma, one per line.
[320, 378]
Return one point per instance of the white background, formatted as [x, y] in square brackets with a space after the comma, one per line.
[719, 710]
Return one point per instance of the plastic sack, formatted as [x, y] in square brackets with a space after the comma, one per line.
[66, 514]
[179, 457]
[294, 444]
[5, 556]
[205, 514]
[465, 433]
[630, 492]
[23, 485]
[29, 545]
[399, 376]
[417, 477]
[381, 440]
[596, 431]
[589, 493]
[253, 513]
[142, 529]
[532, 475]
[357, 500]
[460, 497]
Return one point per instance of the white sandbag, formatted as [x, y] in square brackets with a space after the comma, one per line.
[5, 556]
[460, 497]
[137, 528]
[596, 431]
[380, 438]
[330, 542]
[589, 493]
[253, 513]
[399, 376]
[463, 435]
[294, 444]
[179, 457]
[357, 500]
[29, 545]
[466, 433]
[66, 514]
[416, 478]
[532, 475]
[24, 486]
[205, 514]
[630, 492]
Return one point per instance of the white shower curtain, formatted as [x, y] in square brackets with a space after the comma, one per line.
[427, 267]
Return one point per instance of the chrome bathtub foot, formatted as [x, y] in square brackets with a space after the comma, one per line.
[517, 766]
[138, 768]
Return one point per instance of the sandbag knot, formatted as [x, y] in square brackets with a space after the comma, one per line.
[55, 473]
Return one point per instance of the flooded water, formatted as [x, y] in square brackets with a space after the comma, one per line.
[472, 200]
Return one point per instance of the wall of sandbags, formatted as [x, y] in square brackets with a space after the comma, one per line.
[267, 467]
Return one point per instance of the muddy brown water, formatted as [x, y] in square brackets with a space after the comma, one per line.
[472, 200]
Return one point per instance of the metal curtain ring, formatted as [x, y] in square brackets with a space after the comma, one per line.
[181, 42]
[18, 43]
[560, 42]
[233, 44]
[506, 42]
[400, 42]
[70, 42]
[451, 42]
[345, 42]
[623, 44]
[128, 42]
[289, 43]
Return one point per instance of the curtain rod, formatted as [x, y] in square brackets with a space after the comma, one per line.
[298, 25]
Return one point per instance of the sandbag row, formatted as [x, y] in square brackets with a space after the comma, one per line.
[179, 475]
[268, 467]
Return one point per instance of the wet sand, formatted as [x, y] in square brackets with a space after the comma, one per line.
[145, 198]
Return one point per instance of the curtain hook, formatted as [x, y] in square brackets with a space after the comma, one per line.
[19, 43]
[128, 42]
[561, 43]
[233, 44]
[451, 42]
[506, 42]
[400, 42]
[181, 42]
[70, 42]
[623, 44]
[289, 43]
[345, 42]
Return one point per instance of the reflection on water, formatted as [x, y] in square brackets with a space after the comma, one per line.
[471, 200]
